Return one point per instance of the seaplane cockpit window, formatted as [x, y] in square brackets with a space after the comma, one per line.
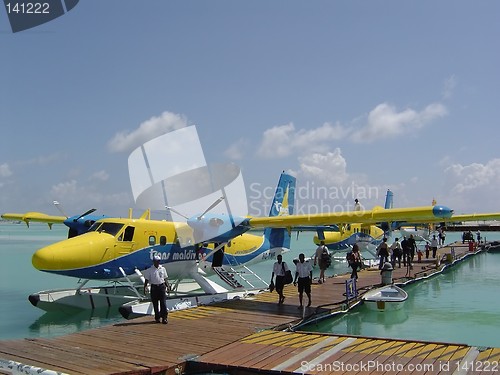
[152, 240]
[128, 234]
[110, 228]
[94, 226]
[163, 240]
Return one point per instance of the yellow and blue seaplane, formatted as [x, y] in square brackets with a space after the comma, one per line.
[341, 237]
[119, 249]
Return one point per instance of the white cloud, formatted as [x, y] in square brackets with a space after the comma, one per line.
[473, 187]
[284, 140]
[149, 129]
[324, 184]
[100, 176]
[65, 189]
[384, 121]
[237, 150]
[41, 160]
[5, 170]
[330, 167]
[80, 198]
[449, 87]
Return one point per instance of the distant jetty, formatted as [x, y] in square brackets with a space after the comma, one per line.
[474, 226]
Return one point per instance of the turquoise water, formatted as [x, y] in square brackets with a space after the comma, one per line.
[460, 305]
[434, 301]
[18, 279]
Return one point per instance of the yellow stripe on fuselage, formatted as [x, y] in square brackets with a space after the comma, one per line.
[244, 244]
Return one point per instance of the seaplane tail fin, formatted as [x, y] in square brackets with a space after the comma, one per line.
[389, 199]
[283, 205]
[389, 203]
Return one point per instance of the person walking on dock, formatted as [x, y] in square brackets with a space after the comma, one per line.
[354, 260]
[157, 276]
[434, 246]
[321, 260]
[279, 269]
[413, 247]
[303, 275]
[396, 252]
[383, 253]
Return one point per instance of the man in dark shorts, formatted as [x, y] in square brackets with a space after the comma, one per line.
[303, 274]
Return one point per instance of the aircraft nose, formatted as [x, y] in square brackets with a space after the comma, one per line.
[442, 211]
[45, 258]
[74, 253]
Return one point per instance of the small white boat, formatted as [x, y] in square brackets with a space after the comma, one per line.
[386, 298]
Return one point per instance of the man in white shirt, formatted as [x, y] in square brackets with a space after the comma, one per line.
[157, 276]
[434, 246]
[279, 269]
[304, 275]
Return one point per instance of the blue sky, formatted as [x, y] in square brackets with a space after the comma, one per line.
[351, 97]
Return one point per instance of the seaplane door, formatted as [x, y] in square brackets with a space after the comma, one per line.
[126, 243]
[218, 257]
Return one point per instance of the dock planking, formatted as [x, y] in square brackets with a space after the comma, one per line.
[240, 335]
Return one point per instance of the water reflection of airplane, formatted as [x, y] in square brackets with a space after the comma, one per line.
[71, 320]
[121, 248]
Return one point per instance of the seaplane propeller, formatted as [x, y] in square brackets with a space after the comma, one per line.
[176, 212]
[75, 225]
[199, 217]
[212, 206]
[215, 227]
[85, 214]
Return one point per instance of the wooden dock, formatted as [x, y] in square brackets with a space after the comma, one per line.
[245, 336]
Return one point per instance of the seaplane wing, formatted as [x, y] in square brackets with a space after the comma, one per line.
[77, 224]
[34, 217]
[376, 215]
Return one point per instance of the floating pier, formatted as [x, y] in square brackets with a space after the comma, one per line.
[253, 335]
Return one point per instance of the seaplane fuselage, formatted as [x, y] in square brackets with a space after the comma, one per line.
[113, 245]
[348, 235]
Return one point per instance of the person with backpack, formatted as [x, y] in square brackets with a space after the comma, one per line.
[354, 259]
[322, 258]
[279, 269]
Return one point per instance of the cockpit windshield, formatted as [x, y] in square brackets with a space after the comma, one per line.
[110, 228]
[94, 226]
